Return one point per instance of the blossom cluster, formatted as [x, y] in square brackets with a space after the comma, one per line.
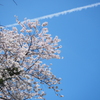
[22, 71]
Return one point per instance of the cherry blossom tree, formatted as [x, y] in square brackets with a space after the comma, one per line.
[22, 68]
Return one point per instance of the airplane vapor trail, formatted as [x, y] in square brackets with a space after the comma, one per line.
[60, 13]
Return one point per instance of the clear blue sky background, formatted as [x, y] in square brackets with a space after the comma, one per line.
[80, 35]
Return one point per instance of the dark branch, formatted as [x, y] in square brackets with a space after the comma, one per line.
[1, 4]
[1, 98]
[14, 2]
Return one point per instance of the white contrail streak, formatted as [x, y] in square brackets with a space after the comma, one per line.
[60, 13]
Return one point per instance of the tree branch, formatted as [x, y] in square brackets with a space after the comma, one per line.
[1, 4]
[14, 2]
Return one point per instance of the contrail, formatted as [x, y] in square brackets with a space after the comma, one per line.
[60, 13]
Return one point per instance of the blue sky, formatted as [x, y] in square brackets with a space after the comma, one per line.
[80, 35]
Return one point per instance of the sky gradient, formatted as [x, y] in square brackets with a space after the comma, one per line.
[80, 35]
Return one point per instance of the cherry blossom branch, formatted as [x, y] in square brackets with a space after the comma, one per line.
[22, 71]
[32, 64]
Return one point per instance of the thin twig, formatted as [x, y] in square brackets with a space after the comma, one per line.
[14, 2]
[3, 93]
[32, 65]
